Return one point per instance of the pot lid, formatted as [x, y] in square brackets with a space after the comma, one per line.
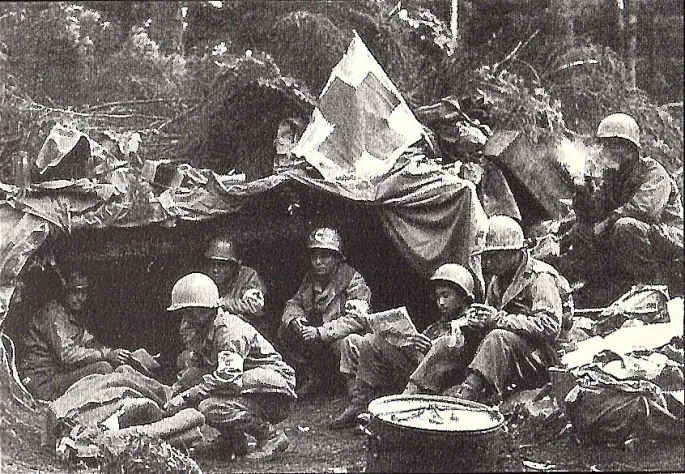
[435, 413]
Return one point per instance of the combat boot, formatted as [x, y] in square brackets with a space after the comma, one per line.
[360, 397]
[270, 441]
[268, 448]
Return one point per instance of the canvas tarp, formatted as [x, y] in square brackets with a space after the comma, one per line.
[432, 216]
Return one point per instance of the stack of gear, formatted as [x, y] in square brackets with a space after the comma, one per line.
[627, 381]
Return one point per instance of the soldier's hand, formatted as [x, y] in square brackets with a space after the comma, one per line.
[480, 315]
[309, 333]
[119, 356]
[174, 405]
[420, 342]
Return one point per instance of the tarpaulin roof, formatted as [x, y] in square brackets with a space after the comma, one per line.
[431, 215]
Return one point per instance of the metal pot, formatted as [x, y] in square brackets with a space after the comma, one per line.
[431, 433]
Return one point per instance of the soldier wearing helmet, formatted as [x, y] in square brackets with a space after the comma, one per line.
[321, 321]
[635, 224]
[234, 376]
[59, 349]
[517, 326]
[242, 290]
[384, 369]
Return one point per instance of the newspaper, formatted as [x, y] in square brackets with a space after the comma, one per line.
[394, 325]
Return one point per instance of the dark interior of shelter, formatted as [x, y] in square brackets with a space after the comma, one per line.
[132, 270]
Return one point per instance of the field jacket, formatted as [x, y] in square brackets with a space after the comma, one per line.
[237, 359]
[324, 307]
[56, 341]
[531, 305]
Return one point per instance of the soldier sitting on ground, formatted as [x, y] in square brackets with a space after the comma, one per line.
[632, 223]
[320, 325]
[59, 349]
[241, 289]
[516, 327]
[385, 369]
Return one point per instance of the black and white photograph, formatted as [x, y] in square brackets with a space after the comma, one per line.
[342, 236]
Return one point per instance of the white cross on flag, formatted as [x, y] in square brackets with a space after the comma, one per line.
[361, 124]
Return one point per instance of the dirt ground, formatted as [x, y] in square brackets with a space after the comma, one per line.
[314, 448]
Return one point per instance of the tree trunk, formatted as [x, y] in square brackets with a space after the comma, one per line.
[454, 20]
[631, 56]
[166, 27]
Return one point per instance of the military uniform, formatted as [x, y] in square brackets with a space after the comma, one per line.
[324, 308]
[645, 211]
[237, 379]
[59, 351]
[520, 343]
[244, 294]
[385, 369]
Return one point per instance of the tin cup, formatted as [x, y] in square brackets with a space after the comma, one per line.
[456, 336]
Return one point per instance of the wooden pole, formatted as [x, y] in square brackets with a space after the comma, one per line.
[454, 19]
[631, 12]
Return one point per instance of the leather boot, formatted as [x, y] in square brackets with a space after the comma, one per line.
[360, 397]
[268, 448]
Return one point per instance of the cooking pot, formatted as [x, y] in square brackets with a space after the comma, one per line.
[432, 433]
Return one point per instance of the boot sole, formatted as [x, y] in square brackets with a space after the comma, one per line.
[279, 448]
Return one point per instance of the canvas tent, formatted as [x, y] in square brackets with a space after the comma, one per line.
[136, 226]
[420, 212]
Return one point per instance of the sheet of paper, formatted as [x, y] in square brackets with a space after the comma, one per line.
[394, 325]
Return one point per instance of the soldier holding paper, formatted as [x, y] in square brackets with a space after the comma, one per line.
[385, 367]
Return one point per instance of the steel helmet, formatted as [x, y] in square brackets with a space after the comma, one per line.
[325, 238]
[455, 273]
[222, 249]
[195, 290]
[504, 233]
[619, 126]
[76, 281]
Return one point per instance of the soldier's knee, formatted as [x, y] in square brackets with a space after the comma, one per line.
[629, 226]
[102, 367]
[206, 407]
[498, 337]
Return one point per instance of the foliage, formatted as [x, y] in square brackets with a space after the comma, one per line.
[516, 65]
[143, 455]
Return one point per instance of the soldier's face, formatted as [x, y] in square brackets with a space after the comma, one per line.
[76, 299]
[192, 321]
[449, 300]
[500, 262]
[614, 152]
[324, 261]
[221, 271]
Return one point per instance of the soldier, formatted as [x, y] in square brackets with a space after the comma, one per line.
[520, 320]
[59, 349]
[385, 369]
[234, 376]
[321, 321]
[633, 224]
[242, 290]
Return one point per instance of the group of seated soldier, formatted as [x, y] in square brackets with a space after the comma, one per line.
[241, 383]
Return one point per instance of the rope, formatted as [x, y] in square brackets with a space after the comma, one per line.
[9, 362]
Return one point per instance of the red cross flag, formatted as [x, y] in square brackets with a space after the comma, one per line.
[361, 124]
